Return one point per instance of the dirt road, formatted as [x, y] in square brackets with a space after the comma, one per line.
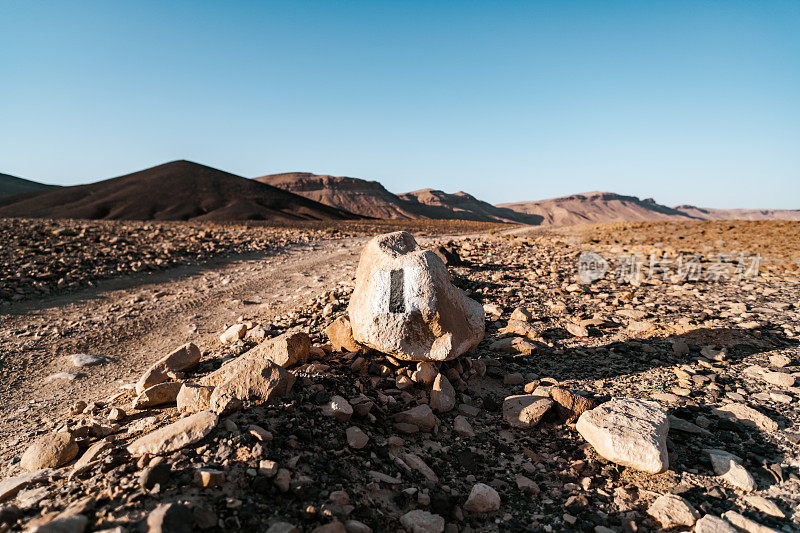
[137, 319]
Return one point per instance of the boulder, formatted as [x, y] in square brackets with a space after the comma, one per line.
[340, 334]
[525, 410]
[285, 350]
[176, 435]
[184, 358]
[49, 451]
[405, 305]
[193, 398]
[482, 499]
[628, 432]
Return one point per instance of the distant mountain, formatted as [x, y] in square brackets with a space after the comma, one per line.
[370, 198]
[179, 190]
[14, 185]
[707, 213]
[463, 206]
[597, 207]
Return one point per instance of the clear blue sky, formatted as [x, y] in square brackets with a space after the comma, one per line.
[688, 102]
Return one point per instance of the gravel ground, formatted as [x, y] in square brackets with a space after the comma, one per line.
[691, 345]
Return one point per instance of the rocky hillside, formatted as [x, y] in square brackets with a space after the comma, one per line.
[179, 190]
[461, 205]
[707, 213]
[596, 207]
[370, 198]
[367, 198]
[14, 185]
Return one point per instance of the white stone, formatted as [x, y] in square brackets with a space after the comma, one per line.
[405, 305]
[628, 432]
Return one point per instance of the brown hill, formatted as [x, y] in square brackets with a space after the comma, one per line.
[14, 185]
[707, 213]
[595, 207]
[463, 206]
[179, 190]
[370, 198]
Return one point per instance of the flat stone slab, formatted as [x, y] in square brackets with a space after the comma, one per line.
[628, 432]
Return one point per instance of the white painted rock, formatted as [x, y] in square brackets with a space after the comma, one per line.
[176, 435]
[670, 511]
[628, 432]
[405, 305]
[482, 499]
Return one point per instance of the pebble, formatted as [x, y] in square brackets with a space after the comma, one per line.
[419, 521]
[356, 438]
[339, 409]
[462, 427]
[482, 499]
[443, 395]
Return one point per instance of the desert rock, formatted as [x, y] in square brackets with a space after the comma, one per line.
[284, 350]
[176, 435]
[157, 395]
[193, 398]
[673, 511]
[443, 395]
[629, 432]
[419, 521]
[49, 451]
[525, 410]
[482, 499]
[340, 333]
[405, 305]
[184, 358]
